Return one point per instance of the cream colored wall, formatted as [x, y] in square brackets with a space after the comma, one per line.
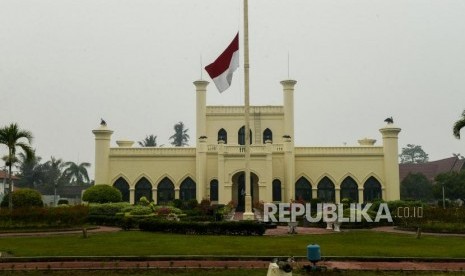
[231, 118]
[154, 169]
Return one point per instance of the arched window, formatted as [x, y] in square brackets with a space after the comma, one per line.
[214, 190]
[187, 189]
[372, 190]
[326, 192]
[267, 135]
[277, 190]
[223, 135]
[143, 188]
[165, 191]
[123, 186]
[241, 136]
[303, 190]
[349, 189]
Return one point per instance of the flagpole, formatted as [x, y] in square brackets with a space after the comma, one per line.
[248, 215]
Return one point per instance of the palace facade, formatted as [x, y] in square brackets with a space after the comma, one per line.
[280, 171]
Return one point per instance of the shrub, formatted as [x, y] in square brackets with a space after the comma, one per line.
[63, 202]
[242, 228]
[39, 217]
[105, 214]
[102, 194]
[144, 201]
[141, 210]
[24, 198]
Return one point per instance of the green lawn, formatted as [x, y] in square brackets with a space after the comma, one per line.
[135, 243]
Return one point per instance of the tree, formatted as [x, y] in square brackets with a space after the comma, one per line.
[180, 136]
[25, 198]
[459, 125]
[13, 137]
[53, 176]
[102, 194]
[76, 173]
[149, 141]
[30, 171]
[453, 183]
[416, 186]
[413, 154]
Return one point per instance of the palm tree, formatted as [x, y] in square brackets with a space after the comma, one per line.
[459, 125]
[30, 171]
[13, 137]
[149, 141]
[77, 173]
[180, 136]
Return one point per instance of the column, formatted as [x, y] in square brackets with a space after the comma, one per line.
[102, 154]
[391, 164]
[132, 195]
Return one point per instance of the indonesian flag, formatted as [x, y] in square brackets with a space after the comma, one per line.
[222, 69]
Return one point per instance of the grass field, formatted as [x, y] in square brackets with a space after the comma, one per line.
[135, 243]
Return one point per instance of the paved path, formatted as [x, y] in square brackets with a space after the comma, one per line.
[100, 229]
[117, 264]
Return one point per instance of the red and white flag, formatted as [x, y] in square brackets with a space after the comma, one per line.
[222, 69]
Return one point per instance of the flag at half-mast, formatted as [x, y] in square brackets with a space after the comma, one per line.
[222, 69]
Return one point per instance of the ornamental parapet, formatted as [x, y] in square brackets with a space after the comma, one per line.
[149, 151]
[339, 151]
[239, 110]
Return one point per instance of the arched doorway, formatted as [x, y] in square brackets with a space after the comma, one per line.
[349, 189]
[187, 190]
[238, 190]
[214, 190]
[143, 188]
[372, 190]
[303, 190]
[165, 191]
[276, 190]
[326, 191]
[122, 185]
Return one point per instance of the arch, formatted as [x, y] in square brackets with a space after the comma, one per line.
[241, 136]
[349, 189]
[238, 189]
[303, 189]
[375, 176]
[143, 188]
[372, 190]
[165, 191]
[187, 189]
[123, 186]
[326, 190]
[186, 176]
[214, 190]
[223, 135]
[267, 135]
[345, 177]
[276, 190]
[165, 175]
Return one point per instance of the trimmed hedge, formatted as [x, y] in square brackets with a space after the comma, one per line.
[242, 228]
[48, 217]
[23, 198]
[102, 194]
[105, 214]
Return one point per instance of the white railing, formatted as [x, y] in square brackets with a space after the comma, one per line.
[149, 151]
[238, 149]
[270, 109]
[377, 151]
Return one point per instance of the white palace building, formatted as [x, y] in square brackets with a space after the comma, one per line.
[280, 171]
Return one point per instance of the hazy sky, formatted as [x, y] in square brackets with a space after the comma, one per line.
[65, 64]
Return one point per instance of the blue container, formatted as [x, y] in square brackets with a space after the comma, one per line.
[313, 253]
